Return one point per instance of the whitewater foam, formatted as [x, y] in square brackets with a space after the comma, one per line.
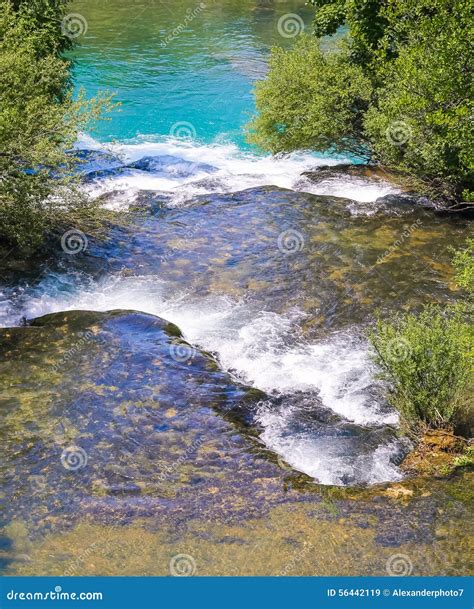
[230, 168]
[261, 348]
[358, 189]
[330, 459]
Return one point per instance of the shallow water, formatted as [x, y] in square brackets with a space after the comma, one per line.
[125, 447]
[279, 285]
[272, 279]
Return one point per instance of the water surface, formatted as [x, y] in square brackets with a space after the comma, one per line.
[263, 424]
[171, 61]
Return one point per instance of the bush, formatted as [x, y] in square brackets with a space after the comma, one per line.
[464, 264]
[399, 94]
[39, 122]
[421, 121]
[425, 360]
[311, 99]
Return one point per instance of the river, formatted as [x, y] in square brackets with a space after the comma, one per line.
[267, 404]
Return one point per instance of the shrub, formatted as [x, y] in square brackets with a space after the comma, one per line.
[399, 94]
[425, 360]
[312, 98]
[464, 264]
[39, 122]
[421, 121]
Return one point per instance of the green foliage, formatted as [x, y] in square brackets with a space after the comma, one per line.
[427, 98]
[401, 89]
[45, 16]
[330, 16]
[425, 359]
[465, 460]
[303, 104]
[464, 264]
[39, 122]
[365, 20]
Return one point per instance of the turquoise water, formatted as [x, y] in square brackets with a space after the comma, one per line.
[170, 62]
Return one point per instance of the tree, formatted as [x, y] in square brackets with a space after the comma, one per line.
[304, 105]
[365, 20]
[400, 89]
[39, 123]
[427, 98]
[45, 16]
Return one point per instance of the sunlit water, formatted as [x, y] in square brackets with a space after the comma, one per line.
[234, 246]
[171, 62]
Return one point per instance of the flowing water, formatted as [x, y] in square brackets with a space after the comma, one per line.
[271, 277]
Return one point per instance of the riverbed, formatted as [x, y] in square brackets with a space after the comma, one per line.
[198, 382]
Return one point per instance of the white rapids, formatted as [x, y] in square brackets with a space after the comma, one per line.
[260, 347]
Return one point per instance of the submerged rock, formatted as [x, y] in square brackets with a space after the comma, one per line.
[101, 174]
[113, 448]
[171, 165]
[403, 196]
[372, 172]
[404, 201]
[112, 403]
[149, 201]
[105, 166]
[95, 163]
[95, 156]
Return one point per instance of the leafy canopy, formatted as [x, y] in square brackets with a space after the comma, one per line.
[316, 112]
[399, 89]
